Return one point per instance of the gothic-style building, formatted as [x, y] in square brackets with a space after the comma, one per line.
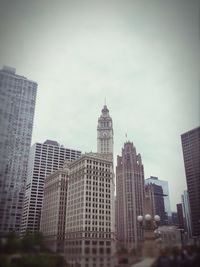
[129, 197]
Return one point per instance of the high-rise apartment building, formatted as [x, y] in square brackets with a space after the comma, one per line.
[105, 132]
[53, 214]
[165, 188]
[129, 197]
[90, 203]
[17, 106]
[44, 159]
[191, 154]
[186, 212]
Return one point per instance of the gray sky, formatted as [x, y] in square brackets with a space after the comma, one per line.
[143, 56]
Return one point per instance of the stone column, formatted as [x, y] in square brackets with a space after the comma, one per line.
[150, 247]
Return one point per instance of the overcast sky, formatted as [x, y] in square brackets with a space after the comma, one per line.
[143, 56]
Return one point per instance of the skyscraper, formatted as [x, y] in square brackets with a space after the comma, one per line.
[174, 218]
[181, 224]
[165, 187]
[105, 132]
[191, 154]
[53, 214]
[186, 212]
[129, 197]
[90, 218]
[157, 199]
[17, 106]
[89, 221]
[44, 159]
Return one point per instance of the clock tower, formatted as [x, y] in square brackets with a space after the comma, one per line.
[105, 133]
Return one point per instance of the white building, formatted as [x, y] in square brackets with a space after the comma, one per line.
[17, 107]
[44, 159]
[90, 222]
[90, 201]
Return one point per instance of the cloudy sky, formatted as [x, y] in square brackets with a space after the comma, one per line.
[143, 56]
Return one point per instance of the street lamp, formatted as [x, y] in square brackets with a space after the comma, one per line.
[147, 222]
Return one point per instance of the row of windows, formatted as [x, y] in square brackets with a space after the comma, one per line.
[98, 163]
[56, 151]
[87, 242]
[95, 205]
[97, 229]
[97, 211]
[97, 217]
[94, 188]
[87, 250]
[107, 184]
[102, 200]
[89, 193]
[98, 235]
[97, 173]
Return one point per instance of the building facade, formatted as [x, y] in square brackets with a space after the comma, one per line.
[53, 214]
[165, 187]
[155, 196]
[44, 159]
[174, 218]
[170, 236]
[90, 200]
[17, 107]
[180, 216]
[186, 213]
[191, 155]
[149, 204]
[159, 203]
[129, 197]
[105, 132]
[90, 222]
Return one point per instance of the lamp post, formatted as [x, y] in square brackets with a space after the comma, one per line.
[182, 237]
[149, 224]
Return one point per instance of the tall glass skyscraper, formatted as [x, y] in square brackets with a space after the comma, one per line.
[17, 106]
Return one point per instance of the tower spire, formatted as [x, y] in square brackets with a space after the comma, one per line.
[105, 101]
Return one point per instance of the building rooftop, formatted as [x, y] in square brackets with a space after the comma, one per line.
[51, 142]
[152, 177]
[12, 71]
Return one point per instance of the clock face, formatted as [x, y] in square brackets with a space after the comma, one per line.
[105, 134]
